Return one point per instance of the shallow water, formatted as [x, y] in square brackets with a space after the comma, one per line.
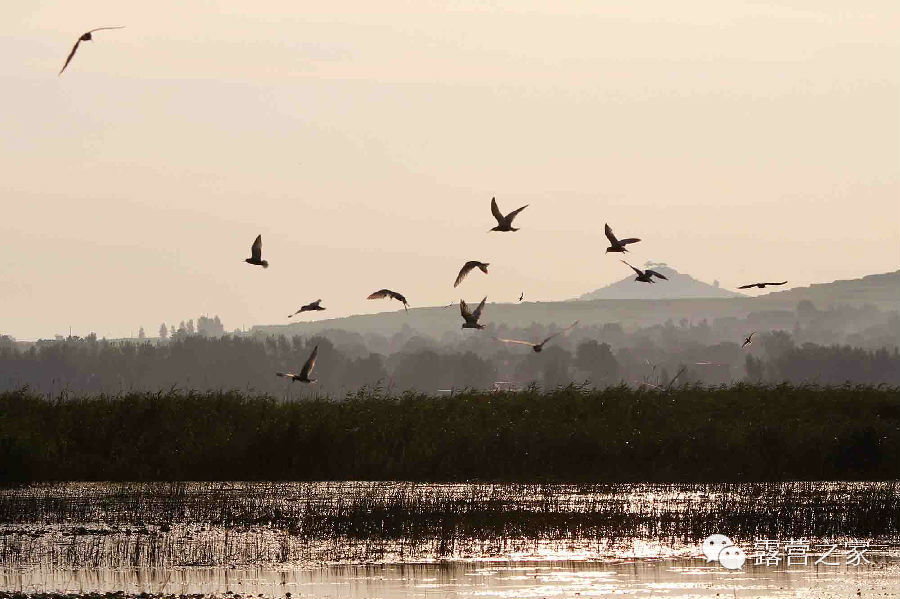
[628, 578]
[418, 540]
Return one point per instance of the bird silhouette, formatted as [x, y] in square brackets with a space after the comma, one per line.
[748, 340]
[308, 307]
[387, 293]
[521, 297]
[760, 285]
[471, 318]
[504, 223]
[469, 267]
[618, 245]
[303, 377]
[538, 347]
[256, 254]
[85, 37]
[646, 276]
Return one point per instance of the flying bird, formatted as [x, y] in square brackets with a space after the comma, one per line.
[387, 293]
[646, 276]
[256, 254]
[760, 285]
[303, 377]
[618, 245]
[537, 347]
[521, 297]
[308, 307]
[748, 341]
[85, 37]
[471, 318]
[469, 267]
[504, 223]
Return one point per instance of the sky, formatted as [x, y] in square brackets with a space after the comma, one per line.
[740, 140]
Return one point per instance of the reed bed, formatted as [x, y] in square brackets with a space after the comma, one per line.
[213, 524]
[691, 434]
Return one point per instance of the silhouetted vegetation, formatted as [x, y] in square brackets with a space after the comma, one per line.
[739, 433]
[835, 346]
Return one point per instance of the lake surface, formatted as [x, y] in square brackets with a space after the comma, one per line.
[356, 539]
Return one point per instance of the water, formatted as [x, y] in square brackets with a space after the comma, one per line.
[418, 540]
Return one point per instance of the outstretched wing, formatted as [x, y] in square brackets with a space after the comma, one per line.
[102, 28]
[466, 269]
[656, 274]
[565, 330]
[71, 54]
[288, 375]
[465, 312]
[380, 294]
[477, 312]
[398, 297]
[512, 215]
[747, 286]
[528, 343]
[629, 240]
[496, 211]
[310, 363]
[256, 248]
[611, 237]
[781, 283]
[637, 270]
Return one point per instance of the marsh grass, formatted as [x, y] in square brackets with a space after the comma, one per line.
[211, 524]
[572, 434]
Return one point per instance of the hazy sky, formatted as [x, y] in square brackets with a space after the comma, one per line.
[740, 140]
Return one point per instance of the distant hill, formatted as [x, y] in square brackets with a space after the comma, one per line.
[677, 287]
[881, 291]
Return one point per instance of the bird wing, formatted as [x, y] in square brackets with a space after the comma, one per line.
[102, 28]
[747, 286]
[465, 312]
[71, 54]
[289, 375]
[629, 240]
[380, 294]
[310, 363]
[256, 248]
[398, 297]
[528, 343]
[512, 215]
[656, 274]
[565, 330]
[496, 211]
[781, 283]
[466, 269]
[477, 313]
[611, 237]
[316, 303]
[637, 270]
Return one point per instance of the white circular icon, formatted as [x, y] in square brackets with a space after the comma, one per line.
[713, 545]
[732, 557]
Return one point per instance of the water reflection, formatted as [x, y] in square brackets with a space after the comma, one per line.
[634, 578]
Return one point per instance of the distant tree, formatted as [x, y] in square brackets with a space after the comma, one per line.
[189, 327]
[141, 333]
[598, 361]
[163, 331]
[755, 368]
[777, 343]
